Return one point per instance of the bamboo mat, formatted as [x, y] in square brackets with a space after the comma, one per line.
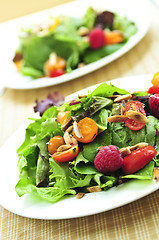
[138, 220]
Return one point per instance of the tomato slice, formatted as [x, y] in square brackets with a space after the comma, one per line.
[67, 155]
[56, 73]
[138, 159]
[135, 106]
[153, 89]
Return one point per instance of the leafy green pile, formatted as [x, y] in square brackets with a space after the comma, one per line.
[39, 173]
[35, 47]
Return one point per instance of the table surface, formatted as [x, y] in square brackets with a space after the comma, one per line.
[138, 220]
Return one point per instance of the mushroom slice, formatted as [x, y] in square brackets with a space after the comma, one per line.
[156, 174]
[80, 195]
[127, 150]
[122, 97]
[66, 123]
[63, 148]
[67, 138]
[94, 189]
[76, 130]
[117, 118]
[137, 116]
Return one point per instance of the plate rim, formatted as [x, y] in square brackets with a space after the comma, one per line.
[155, 186]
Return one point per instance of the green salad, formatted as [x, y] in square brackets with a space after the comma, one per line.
[61, 44]
[92, 143]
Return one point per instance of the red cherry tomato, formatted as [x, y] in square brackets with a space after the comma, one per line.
[56, 73]
[138, 159]
[135, 106]
[153, 89]
[66, 155]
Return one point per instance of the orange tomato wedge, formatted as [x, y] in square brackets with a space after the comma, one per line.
[67, 155]
[88, 129]
[155, 80]
[61, 116]
[113, 37]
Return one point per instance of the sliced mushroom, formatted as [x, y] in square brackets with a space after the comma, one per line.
[156, 174]
[122, 109]
[67, 138]
[94, 189]
[69, 129]
[117, 118]
[137, 116]
[122, 97]
[66, 123]
[127, 150]
[76, 130]
[80, 195]
[63, 148]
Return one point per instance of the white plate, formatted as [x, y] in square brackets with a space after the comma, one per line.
[9, 39]
[91, 203]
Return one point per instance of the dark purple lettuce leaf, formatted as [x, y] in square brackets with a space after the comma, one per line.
[53, 99]
[105, 19]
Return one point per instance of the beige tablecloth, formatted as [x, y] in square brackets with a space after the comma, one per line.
[137, 220]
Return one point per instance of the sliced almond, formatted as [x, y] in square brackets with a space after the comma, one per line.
[80, 195]
[63, 148]
[137, 116]
[94, 189]
[117, 118]
[122, 97]
[66, 123]
[67, 138]
[156, 174]
[76, 130]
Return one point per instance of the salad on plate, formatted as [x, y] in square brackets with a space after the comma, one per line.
[90, 144]
[63, 43]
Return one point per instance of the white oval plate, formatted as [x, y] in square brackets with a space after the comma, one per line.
[9, 39]
[92, 203]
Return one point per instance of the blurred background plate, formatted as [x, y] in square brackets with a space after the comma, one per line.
[10, 78]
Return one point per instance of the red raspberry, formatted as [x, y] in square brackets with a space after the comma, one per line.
[154, 104]
[108, 160]
[97, 38]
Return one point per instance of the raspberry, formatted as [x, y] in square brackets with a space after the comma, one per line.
[108, 159]
[154, 105]
[97, 38]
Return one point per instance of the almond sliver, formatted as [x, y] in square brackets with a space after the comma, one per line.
[137, 116]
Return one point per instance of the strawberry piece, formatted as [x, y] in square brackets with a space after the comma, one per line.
[154, 105]
[108, 159]
[97, 38]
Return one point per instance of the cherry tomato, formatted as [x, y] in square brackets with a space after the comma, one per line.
[54, 143]
[153, 89]
[138, 159]
[155, 80]
[56, 73]
[66, 155]
[61, 116]
[135, 106]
